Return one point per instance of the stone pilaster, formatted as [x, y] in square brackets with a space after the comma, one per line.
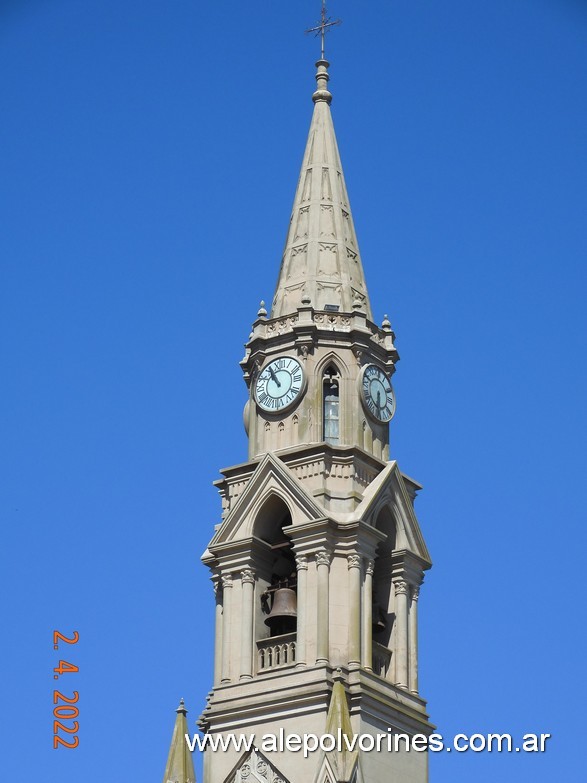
[323, 569]
[217, 632]
[413, 639]
[302, 620]
[401, 640]
[248, 590]
[226, 623]
[367, 635]
[354, 564]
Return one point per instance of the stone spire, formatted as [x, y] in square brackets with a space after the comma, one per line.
[341, 765]
[321, 261]
[180, 767]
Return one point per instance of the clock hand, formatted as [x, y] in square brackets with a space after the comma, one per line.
[379, 399]
[274, 377]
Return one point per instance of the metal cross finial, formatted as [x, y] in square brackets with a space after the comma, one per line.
[323, 26]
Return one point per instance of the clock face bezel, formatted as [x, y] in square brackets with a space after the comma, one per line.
[280, 372]
[366, 395]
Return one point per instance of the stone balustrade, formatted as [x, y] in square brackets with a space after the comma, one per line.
[276, 652]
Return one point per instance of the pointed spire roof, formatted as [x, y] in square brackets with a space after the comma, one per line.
[321, 261]
[180, 767]
[343, 764]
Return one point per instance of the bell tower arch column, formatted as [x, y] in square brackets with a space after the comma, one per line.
[217, 631]
[354, 563]
[302, 574]
[401, 588]
[367, 638]
[248, 590]
[226, 623]
[323, 567]
[413, 628]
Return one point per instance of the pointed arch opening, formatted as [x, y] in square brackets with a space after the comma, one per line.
[272, 518]
[331, 405]
[383, 598]
[277, 586]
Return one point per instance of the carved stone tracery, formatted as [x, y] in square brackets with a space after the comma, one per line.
[255, 768]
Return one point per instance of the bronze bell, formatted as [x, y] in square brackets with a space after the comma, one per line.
[378, 617]
[283, 614]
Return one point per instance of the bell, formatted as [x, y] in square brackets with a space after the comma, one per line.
[283, 614]
[378, 615]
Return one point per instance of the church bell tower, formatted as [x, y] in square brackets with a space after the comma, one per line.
[318, 558]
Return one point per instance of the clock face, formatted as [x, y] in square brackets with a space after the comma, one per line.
[279, 384]
[377, 393]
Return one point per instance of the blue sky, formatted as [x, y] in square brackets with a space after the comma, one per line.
[148, 158]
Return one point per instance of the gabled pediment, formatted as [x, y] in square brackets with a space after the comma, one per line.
[254, 767]
[389, 490]
[271, 477]
[327, 773]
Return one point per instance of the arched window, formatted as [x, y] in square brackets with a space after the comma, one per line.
[331, 405]
[277, 578]
[383, 610]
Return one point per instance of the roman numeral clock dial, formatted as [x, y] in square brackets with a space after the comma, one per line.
[279, 385]
[377, 393]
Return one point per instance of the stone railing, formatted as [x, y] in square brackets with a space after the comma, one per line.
[275, 652]
[381, 659]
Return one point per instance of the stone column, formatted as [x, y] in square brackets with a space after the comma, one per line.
[401, 638]
[367, 640]
[354, 562]
[248, 590]
[302, 621]
[218, 633]
[323, 568]
[226, 623]
[413, 639]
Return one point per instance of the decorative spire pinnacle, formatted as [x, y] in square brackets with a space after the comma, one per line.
[341, 763]
[321, 260]
[180, 767]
